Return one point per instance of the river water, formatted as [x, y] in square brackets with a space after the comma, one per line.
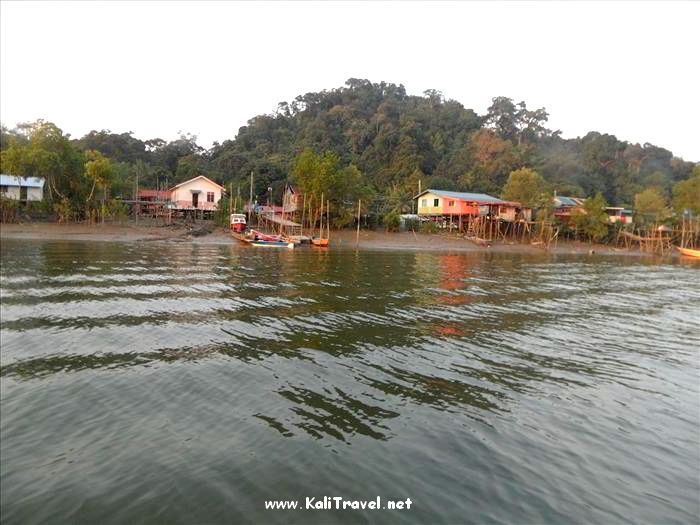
[185, 383]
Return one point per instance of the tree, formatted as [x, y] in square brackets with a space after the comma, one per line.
[592, 220]
[98, 171]
[492, 159]
[650, 206]
[44, 151]
[686, 193]
[525, 186]
[321, 175]
[502, 117]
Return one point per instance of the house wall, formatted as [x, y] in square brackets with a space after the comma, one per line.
[506, 213]
[33, 194]
[624, 219]
[182, 196]
[429, 208]
[460, 207]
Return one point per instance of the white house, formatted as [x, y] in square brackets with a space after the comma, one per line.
[21, 188]
[199, 193]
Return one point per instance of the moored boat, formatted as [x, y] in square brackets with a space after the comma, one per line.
[242, 237]
[238, 222]
[260, 236]
[688, 252]
[272, 244]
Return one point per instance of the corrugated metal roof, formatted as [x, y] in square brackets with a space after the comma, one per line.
[567, 201]
[13, 180]
[472, 197]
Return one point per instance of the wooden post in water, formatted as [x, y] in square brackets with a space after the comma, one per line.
[320, 224]
[357, 237]
[250, 200]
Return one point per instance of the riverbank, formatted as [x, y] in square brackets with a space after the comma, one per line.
[205, 233]
[200, 232]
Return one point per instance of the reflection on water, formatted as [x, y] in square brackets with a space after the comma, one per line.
[484, 387]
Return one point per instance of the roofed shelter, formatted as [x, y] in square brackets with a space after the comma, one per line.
[199, 193]
[23, 189]
[451, 204]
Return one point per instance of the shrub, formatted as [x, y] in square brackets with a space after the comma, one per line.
[392, 221]
[412, 224]
[9, 209]
[429, 227]
[64, 210]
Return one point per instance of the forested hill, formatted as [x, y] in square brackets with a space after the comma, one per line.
[391, 138]
[395, 139]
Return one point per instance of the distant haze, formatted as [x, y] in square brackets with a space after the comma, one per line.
[629, 68]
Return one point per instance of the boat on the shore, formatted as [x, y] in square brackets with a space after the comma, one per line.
[256, 238]
[272, 244]
[238, 222]
[260, 236]
[688, 252]
[241, 237]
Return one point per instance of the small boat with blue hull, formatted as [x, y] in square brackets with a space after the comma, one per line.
[272, 244]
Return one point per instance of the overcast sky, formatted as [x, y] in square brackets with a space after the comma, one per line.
[629, 68]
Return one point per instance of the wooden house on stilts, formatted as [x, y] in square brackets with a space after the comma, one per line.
[476, 214]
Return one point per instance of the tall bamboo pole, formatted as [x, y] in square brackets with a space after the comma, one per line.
[320, 223]
[357, 236]
[250, 200]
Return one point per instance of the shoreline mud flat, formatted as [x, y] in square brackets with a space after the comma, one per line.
[368, 240]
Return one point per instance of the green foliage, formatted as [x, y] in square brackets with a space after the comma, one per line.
[377, 141]
[686, 193]
[222, 215]
[544, 207]
[116, 210]
[9, 210]
[650, 206]
[63, 210]
[525, 186]
[412, 224]
[392, 221]
[429, 227]
[592, 221]
[322, 176]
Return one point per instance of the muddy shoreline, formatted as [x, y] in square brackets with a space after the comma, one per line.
[368, 240]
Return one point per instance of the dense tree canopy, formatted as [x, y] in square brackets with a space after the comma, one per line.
[380, 142]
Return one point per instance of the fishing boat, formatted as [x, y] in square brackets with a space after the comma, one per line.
[238, 222]
[242, 237]
[260, 236]
[272, 244]
[688, 252]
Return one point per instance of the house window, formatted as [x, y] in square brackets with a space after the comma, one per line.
[3, 189]
[436, 202]
[451, 203]
[424, 203]
[210, 196]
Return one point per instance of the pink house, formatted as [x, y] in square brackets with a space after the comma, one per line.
[199, 193]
